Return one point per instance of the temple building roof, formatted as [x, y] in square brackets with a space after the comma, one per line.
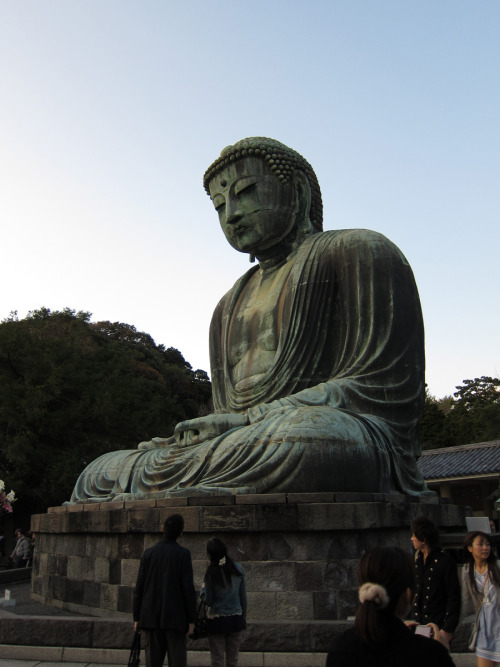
[481, 459]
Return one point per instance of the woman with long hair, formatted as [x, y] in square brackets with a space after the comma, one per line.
[481, 595]
[224, 592]
[379, 636]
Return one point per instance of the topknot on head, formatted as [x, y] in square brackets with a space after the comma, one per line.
[281, 160]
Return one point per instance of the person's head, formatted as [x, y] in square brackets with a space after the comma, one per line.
[18, 532]
[173, 526]
[265, 193]
[221, 566]
[217, 551]
[424, 532]
[387, 583]
[479, 551]
[477, 547]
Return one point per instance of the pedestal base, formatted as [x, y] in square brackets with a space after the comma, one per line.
[299, 553]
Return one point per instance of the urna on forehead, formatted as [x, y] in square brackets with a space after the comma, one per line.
[281, 160]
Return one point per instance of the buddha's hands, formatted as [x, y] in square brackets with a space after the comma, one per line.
[194, 431]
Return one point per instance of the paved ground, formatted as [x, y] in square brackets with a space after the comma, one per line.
[29, 656]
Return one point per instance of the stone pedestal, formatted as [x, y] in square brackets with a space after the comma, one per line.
[299, 553]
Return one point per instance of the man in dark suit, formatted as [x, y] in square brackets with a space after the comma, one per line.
[164, 605]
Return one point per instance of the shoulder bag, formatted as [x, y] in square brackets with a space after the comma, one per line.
[135, 651]
[201, 623]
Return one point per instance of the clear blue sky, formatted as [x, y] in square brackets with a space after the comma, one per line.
[111, 110]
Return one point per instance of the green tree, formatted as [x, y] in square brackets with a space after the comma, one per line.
[71, 390]
[432, 423]
[475, 412]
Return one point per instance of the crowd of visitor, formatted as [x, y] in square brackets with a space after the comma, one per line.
[409, 608]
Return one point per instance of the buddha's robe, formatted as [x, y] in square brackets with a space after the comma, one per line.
[339, 405]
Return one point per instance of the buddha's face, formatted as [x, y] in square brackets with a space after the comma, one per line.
[255, 210]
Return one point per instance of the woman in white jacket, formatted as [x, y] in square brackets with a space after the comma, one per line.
[481, 594]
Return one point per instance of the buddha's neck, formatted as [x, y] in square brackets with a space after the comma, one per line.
[272, 258]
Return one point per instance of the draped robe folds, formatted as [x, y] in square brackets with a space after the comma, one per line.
[338, 408]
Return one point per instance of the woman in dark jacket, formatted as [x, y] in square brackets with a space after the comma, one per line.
[224, 592]
[380, 638]
[437, 593]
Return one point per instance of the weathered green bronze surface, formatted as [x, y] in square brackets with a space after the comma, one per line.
[317, 354]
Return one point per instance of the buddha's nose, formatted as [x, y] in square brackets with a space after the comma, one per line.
[233, 211]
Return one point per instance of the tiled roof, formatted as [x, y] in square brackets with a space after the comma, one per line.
[479, 459]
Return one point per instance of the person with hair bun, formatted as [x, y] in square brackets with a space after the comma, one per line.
[481, 595]
[379, 637]
[224, 592]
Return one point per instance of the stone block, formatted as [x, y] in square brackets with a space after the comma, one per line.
[173, 504]
[294, 605]
[115, 571]
[340, 573]
[61, 565]
[75, 567]
[276, 517]
[103, 546]
[277, 546]
[60, 509]
[191, 516]
[124, 603]
[118, 520]
[199, 569]
[35, 523]
[322, 634]
[261, 605]
[325, 606]
[394, 498]
[93, 507]
[130, 568]
[140, 504]
[75, 545]
[97, 522]
[272, 576]
[109, 597]
[46, 631]
[77, 522]
[322, 497]
[114, 633]
[347, 603]
[101, 570]
[115, 505]
[74, 508]
[144, 520]
[130, 545]
[261, 499]
[309, 576]
[212, 501]
[349, 497]
[91, 593]
[53, 523]
[219, 519]
[276, 636]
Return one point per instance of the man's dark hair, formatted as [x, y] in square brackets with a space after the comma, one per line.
[173, 526]
[426, 531]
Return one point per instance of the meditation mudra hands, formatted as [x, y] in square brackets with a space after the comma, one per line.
[201, 429]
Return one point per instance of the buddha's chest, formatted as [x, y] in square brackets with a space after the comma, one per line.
[255, 325]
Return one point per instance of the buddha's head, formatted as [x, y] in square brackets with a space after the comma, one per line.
[266, 195]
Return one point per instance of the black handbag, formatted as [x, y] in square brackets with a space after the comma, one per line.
[201, 623]
[135, 652]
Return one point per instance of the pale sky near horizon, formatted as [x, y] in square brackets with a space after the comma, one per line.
[111, 110]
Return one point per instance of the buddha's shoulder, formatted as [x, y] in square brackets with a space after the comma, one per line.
[352, 240]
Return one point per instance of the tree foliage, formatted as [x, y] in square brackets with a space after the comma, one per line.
[71, 390]
[473, 415]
